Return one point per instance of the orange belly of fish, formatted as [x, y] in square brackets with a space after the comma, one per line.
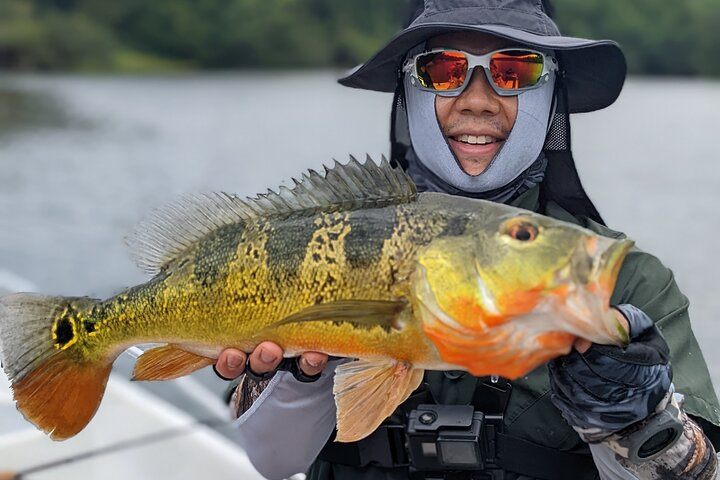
[501, 350]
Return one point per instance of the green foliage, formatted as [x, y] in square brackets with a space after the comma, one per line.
[671, 38]
[47, 39]
[137, 34]
[252, 33]
[133, 61]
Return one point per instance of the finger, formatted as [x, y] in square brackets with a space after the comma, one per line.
[582, 345]
[266, 357]
[231, 363]
[312, 363]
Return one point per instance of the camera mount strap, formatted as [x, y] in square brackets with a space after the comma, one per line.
[521, 456]
[384, 449]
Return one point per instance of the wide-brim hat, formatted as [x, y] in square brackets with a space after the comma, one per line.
[591, 71]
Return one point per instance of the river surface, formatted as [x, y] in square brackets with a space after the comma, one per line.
[83, 158]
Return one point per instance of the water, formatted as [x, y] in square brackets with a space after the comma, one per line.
[82, 159]
[112, 148]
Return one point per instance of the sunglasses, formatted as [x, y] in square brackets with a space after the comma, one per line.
[510, 71]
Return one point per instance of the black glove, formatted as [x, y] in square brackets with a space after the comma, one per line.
[608, 388]
[287, 364]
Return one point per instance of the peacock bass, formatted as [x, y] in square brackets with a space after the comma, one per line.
[354, 263]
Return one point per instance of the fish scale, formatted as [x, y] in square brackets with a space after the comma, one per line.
[240, 276]
[354, 263]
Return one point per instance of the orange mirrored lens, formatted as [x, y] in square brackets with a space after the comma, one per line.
[516, 69]
[442, 70]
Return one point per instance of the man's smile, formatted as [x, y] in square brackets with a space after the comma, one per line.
[475, 150]
[475, 139]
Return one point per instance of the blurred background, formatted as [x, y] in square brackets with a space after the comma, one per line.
[677, 38]
[109, 109]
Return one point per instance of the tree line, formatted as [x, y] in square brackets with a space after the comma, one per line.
[668, 38]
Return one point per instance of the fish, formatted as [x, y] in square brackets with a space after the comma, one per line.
[354, 262]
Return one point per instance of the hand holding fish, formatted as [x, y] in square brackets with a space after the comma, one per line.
[265, 359]
[604, 389]
[582, 345]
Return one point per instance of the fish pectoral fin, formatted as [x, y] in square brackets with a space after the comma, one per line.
[168, 362]
[367, 392]
[367, 313]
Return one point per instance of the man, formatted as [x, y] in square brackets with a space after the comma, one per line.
[483, 92]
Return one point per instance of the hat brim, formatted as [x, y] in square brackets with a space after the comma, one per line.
[592, 71]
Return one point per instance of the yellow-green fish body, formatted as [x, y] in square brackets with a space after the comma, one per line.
[355, 264]
[243, 284]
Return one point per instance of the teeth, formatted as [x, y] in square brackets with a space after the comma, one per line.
[476, 140]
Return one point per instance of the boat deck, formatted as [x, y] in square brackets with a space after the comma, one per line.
[128, 413]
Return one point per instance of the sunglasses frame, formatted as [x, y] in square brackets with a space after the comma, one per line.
[550, 64]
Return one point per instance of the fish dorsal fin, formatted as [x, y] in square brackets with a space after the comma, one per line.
[173, 229]
[367, 392]
[170, 230]
[343, 187]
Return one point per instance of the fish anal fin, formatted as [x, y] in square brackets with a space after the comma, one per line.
[60, 396]
[168, 362]
[367, 392]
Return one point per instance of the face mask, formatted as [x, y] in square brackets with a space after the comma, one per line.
[521, 148]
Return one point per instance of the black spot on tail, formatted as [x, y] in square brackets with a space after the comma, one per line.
[64, 331]
[368, 231]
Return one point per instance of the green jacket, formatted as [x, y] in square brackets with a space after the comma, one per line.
[643, 282]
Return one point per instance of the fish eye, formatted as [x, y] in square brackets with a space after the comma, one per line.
[522, 231]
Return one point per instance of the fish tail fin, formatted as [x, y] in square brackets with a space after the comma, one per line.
[53, 386]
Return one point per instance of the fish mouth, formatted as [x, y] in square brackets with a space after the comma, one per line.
[584, 295]
[606, 258]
